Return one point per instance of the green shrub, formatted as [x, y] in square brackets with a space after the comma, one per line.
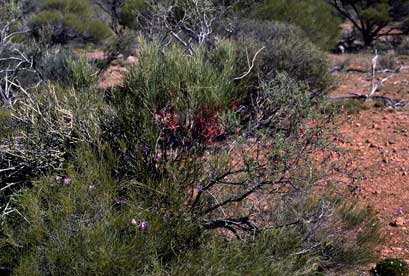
[78, 223]
[286, 49]
[272, 253]
[60, 21]
[314, 17]
[129, 12]
[391, 267]
[47, 125]
[65, 68]
[279, 105]
[168, 94]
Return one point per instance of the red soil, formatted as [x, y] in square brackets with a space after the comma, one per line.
[376, 139]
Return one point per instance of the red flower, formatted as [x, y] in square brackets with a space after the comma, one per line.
[234, 105]
[206, 128]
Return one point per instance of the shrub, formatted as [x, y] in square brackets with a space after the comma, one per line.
[61, 21]
[391, 267]
[47, 125]
[286, 49]
[167, 94]
[279, 105]
[129, 12]
[65, 68]
[388, 61]
[78, 223]
[314, 17]
[271, 253]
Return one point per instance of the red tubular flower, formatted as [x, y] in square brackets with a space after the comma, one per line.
[301, 132]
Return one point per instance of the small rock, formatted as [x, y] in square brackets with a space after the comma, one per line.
[398, 222]
[358, 125]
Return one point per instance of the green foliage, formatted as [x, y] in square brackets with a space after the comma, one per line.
[314, 17]
[6, 127]
[361, 234]
[60, 21]
[166, 81]
[280, 104]
[125, 184]
[377, 14]
[369, 17]
[65, 68]
[47, 126]
[391, 267]
[271, 253]
[76, 225]
[286, 49]
[129, 12]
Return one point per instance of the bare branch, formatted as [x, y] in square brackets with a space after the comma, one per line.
[252, 65]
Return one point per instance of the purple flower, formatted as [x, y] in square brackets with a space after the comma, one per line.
[146, 150]
[143, 225]
[199, 187]
[67, 180]
[120, 200]
[58, 178]
[156, 158]
[399, 212]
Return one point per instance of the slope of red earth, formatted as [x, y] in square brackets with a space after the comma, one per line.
[376, 139]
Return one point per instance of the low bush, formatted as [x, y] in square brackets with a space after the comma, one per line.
[286, 49]
[391, 267]
[169, 99]
[47, 125]
[62, 66]
[388, 61]
[279, 105]
[315, 17]
[62, 21]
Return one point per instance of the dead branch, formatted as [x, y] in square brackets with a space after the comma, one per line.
[375, 85]
[252, 64]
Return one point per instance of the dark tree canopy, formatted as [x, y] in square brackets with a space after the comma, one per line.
[371, 17]
[314, 17]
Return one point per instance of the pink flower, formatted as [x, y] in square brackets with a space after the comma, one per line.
[143, 226]
[58, 178]
[120, 200]
[67, 180]
[134, 222]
